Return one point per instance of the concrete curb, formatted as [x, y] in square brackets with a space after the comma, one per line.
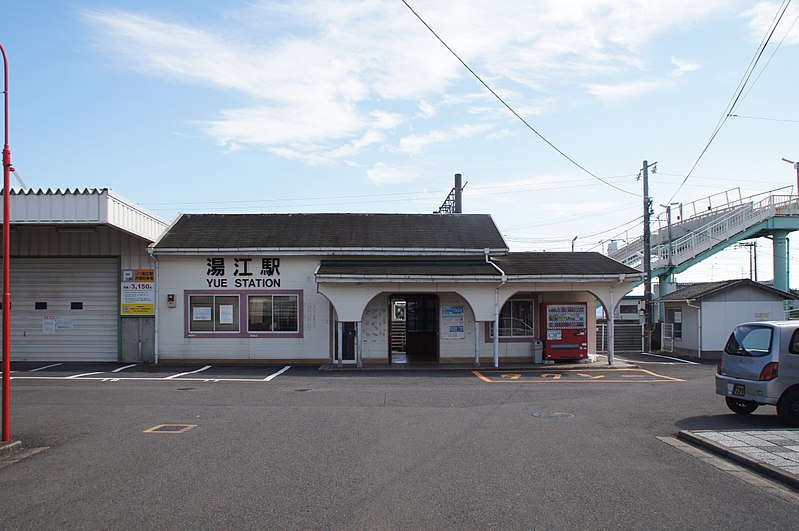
[743, 459]
[10, 447]
[483, 367]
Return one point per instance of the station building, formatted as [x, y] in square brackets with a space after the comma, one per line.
[371, 289]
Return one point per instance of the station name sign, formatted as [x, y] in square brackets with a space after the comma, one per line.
[246, 272]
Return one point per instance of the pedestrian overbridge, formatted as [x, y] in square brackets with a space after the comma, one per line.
[686, 241]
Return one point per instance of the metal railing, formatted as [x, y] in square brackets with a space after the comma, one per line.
[723, 224]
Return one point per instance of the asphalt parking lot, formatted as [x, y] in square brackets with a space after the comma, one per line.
[209, 447]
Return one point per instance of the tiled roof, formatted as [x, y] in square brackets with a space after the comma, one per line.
[561, 263]
[703, 289]
[513, 264]
[387, 266]
[450, 232]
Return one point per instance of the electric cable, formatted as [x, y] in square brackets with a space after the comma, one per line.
[773, 53]
[738, 92]
[764, 118]
[511, 109]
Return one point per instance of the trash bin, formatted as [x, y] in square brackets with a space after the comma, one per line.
[538, 351]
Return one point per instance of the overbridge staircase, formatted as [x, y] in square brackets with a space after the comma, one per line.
[713, 224]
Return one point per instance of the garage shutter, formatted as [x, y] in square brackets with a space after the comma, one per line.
[64, 309]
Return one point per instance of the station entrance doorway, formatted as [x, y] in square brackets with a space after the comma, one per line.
[413, 328]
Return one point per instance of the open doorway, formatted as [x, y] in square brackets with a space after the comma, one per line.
[413, 336]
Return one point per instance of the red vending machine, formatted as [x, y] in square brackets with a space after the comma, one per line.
[566, 333]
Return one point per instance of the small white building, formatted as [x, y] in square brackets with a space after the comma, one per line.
[371, 289]
[703, 315]
[82, 281]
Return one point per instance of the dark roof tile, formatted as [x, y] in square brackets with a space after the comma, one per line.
[333, 231]
[561, 263]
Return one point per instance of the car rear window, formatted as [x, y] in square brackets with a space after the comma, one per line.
[793, 347]
[749, 340]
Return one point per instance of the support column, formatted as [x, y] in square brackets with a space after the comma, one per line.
[663, 290]
[340, 345]
[358, 354]
[476, 343]
[611, 308]
[780, 251]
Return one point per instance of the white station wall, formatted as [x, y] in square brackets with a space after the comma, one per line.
[179, 276]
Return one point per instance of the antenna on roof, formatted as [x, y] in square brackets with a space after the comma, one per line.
[453, 204]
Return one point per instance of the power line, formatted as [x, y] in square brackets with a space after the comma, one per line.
[779, 44]
[507, 106]
[738, 91]
[764, 118]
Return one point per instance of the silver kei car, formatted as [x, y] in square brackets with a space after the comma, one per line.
[759, 366]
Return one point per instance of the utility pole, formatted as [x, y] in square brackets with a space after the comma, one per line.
[796, 167]
[752, 246]
[647, 258]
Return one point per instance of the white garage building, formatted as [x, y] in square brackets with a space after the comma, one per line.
[82, 282]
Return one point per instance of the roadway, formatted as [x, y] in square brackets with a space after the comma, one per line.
[274, 447]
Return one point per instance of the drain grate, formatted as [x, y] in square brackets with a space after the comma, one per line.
[552, 415]
[302, 390]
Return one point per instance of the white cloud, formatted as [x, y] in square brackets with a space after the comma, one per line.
[625, 91]
[426, 110]
[415, 144]
[497, 135]
[761, 17]
[321, 72]
[682, 67]
[381, 173]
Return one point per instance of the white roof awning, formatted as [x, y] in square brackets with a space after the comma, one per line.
[83, 207]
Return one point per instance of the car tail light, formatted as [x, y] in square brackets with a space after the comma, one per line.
[769, 372]
[718, 367]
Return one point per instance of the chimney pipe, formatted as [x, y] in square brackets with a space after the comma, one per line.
[458, 190]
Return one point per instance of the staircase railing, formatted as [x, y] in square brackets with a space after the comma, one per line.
[724, 223]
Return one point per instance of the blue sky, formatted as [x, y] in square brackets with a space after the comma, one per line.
[329, 106]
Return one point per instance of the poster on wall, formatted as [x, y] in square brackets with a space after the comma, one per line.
[137, 294]
[225, 314]
[452, 322]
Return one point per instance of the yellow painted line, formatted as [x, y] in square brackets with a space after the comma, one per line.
[482, 377]
[170, 428]
[550, 375]
[661, 375]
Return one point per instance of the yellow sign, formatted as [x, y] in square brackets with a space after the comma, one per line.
[138, 309]
[137, 293]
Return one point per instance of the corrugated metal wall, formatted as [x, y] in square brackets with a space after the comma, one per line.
[30, 241]
[64, 309]
[81, 264]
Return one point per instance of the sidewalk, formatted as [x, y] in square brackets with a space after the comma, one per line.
[485, 365]
[771, 452]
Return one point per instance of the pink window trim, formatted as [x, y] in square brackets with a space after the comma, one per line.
[243, 312]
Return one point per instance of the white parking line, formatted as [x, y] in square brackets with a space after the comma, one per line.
[125, 367]
[278, 373]
[185, 373]
[79, 375]
[45, 367]
[670, 358]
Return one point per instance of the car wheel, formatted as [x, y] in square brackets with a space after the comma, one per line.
[742, 407]
[788, 408]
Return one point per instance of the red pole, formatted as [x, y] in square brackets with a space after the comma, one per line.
[6, 267]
